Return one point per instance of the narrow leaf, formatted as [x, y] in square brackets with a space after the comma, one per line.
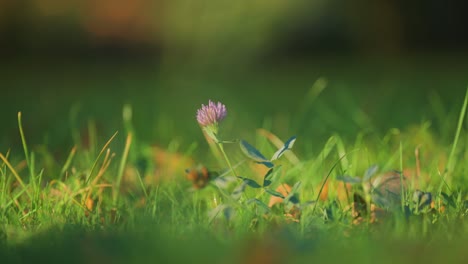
[266, 183]
[250, 182]
[259, 204]
[266, 179]
[236, 194]
[274, 193]
[223, 181]
[267, 164]
[370, 172]
[269, 174]
[221, 210]
[252, 152]
[287, 146]
[292, 196]
[348, 179]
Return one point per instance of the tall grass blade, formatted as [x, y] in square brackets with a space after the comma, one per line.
[326, 179]
[122, 164]
[142, 184]
[98, 157]
[26, 152]
[401, 179]
[451, 161]
[68, 161]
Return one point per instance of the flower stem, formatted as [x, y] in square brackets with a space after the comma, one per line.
[221, 147]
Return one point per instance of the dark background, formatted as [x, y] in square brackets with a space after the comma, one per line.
[148, 30]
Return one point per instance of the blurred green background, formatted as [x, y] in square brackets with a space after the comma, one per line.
[386, 64]
[306, 67]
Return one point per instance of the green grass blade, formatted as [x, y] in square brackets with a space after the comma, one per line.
[328, 176]
[18, 178]
[401, 179]
[142, 184]
[68, 161]
[25, 148]
[451, 161]
[122, 164]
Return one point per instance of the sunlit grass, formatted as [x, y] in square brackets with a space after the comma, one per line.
[121, 199]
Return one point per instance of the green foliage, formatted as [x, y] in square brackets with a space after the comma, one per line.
[342, 199]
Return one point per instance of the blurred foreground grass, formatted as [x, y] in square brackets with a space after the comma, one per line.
[82, 202]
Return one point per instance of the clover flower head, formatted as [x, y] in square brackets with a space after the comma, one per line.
[211, 114]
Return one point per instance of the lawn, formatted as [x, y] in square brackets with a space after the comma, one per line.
[352, 161]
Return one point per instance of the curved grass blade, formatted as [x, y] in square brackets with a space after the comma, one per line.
[26, 151]
[461, 118]
[326, 178]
